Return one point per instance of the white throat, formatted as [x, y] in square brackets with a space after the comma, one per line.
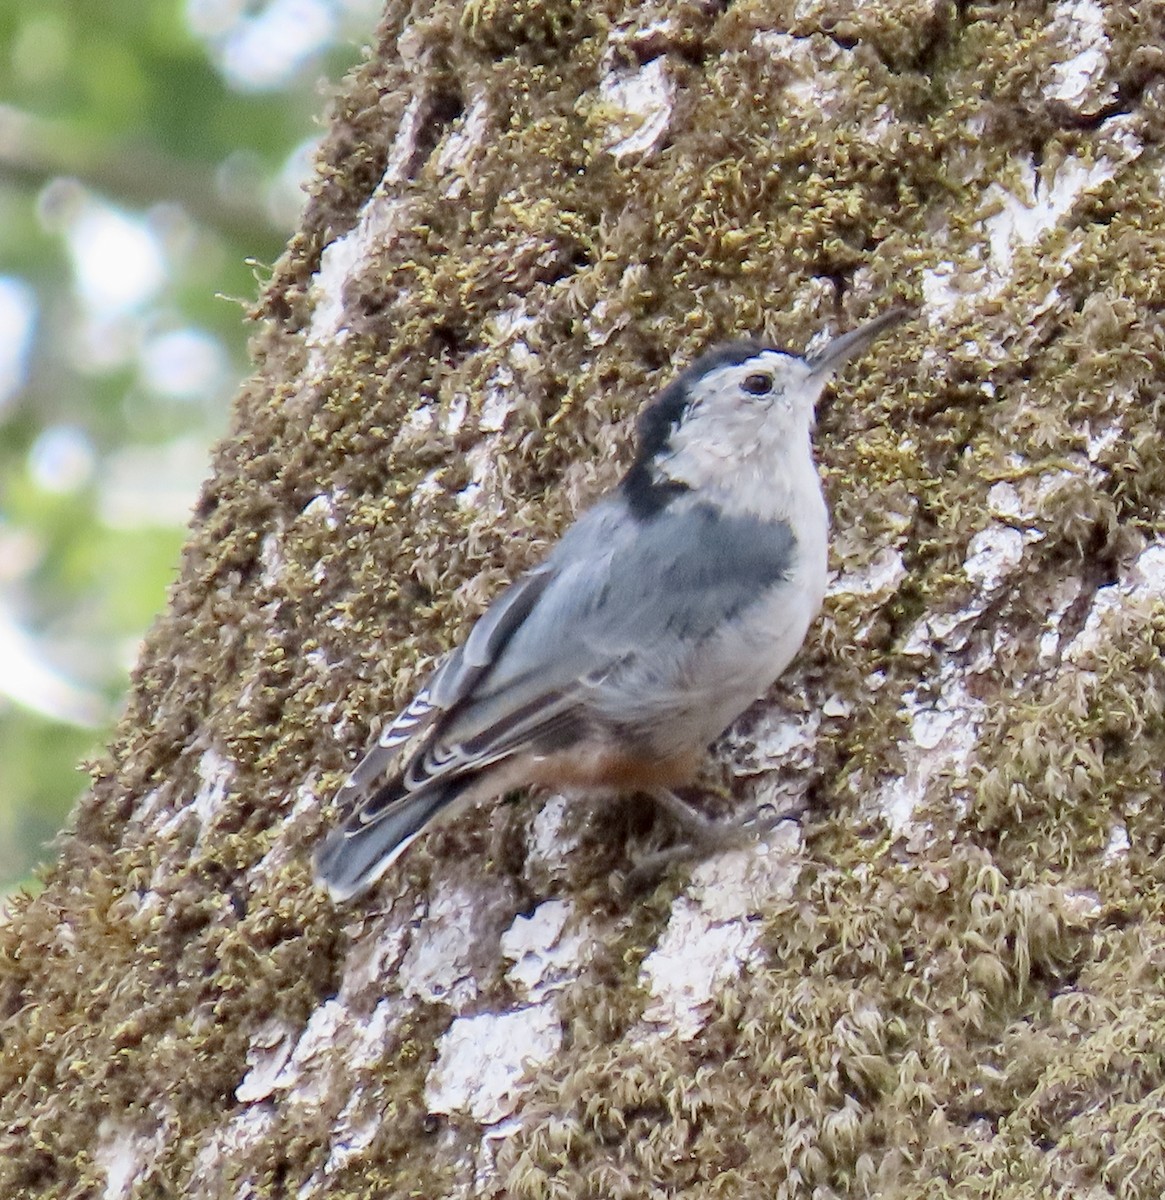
[755, 469]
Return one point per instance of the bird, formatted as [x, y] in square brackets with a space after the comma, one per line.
[662, 613]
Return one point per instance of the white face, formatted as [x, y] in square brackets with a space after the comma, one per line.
[760, 410]
[740, 427]
[770, 386]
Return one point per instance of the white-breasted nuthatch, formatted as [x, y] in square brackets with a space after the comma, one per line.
[661, 615]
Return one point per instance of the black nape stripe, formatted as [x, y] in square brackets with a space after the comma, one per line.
[664, 413]
[647, 495]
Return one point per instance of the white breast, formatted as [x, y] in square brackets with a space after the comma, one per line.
[686, 695]
[738, 666]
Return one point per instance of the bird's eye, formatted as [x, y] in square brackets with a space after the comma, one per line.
[758, 384]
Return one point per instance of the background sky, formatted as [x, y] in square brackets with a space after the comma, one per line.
[151, 160]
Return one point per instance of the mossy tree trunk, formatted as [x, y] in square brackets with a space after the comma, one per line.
[946, 978]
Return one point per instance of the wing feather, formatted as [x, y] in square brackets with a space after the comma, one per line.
[621, 605]
[618, 598]
[448, 686]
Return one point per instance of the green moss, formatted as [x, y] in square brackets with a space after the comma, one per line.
[974, 1013]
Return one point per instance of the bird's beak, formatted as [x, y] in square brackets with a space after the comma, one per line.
[841, 349]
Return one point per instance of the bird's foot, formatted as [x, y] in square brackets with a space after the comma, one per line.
[704, 835]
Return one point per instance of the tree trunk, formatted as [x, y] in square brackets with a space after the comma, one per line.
[945, 979]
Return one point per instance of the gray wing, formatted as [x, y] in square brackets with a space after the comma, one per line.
[448, 685]
[617, 594]
[621, 602]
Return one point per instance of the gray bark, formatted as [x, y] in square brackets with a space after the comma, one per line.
[945, 979]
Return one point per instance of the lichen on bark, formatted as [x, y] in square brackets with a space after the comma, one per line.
[946, 980]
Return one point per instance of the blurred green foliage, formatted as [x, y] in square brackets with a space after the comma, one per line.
[149, 151]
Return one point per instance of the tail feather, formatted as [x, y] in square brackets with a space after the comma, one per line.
[354, 856]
